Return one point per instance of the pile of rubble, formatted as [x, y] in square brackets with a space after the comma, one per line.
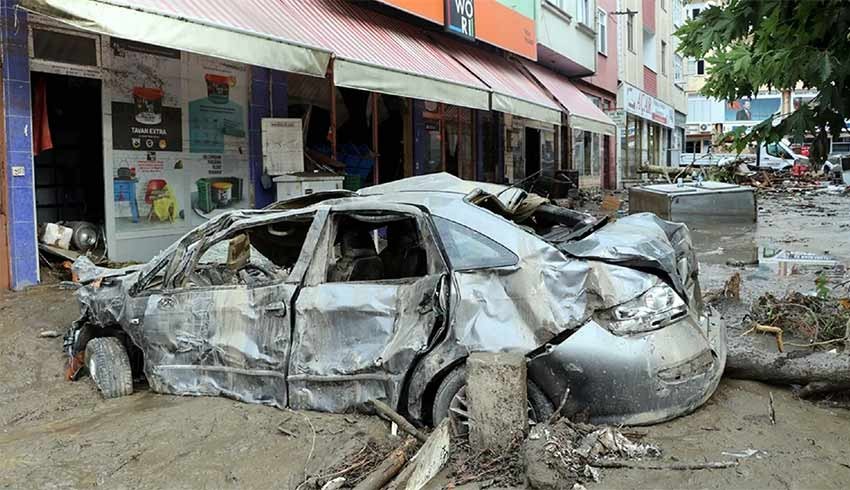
[566, 454]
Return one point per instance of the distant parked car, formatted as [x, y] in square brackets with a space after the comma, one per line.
[329, 300]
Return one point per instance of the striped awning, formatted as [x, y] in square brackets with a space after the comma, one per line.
[210, 27]
[583, 113]
[512, 91]
[366, 49]
[372, 51]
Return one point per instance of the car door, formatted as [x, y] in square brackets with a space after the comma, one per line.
[364, 315]
[225, 339]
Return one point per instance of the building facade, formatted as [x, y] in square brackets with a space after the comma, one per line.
[147, 121]
[648, 96]
[601, 88]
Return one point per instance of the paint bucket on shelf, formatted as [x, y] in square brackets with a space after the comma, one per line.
[221, 193]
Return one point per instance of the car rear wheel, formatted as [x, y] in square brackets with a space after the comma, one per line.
[450, 401]
[109, 366]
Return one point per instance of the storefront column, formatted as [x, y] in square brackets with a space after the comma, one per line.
[500, 149]
[377, 168]
[268, 99]
[19, 198]
[418, 136]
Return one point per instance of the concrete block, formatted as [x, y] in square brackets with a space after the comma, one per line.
[497, 399]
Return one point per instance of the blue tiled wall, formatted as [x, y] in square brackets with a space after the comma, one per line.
[268, 99]
[23, 248]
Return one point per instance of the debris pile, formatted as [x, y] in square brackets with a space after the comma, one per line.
[731, 290]
[503, 469]
[564, 453]
[823, 321]
[357, 468]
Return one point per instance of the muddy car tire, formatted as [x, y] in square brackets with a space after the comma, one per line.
[453, 388]
[109, 367]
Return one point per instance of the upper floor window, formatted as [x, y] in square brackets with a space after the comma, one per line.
[695, 13]
[700, 67]
[630, 33]
[602, 32]
[663, 58]
[584, 12]
[677, 69]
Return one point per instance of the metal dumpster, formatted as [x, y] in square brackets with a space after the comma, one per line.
[706, 201]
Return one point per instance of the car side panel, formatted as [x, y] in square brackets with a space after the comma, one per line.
[230, 341]
[354, 342]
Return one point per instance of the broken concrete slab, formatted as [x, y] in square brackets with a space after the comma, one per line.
[498, 401]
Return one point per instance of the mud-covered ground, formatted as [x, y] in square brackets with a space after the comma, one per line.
[59, 434]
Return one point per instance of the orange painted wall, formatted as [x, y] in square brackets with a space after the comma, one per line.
[433, 10]
[500, 26]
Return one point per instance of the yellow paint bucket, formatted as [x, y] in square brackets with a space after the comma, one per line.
[221, 193]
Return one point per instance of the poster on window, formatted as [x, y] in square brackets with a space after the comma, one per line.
[218, 138]
[149, 191]
[145, 86]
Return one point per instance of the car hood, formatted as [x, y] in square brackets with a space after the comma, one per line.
[641, 241]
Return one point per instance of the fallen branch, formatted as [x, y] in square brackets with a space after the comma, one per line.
[384, 409]
[768, 329]
[558, 413]
[387, 470]
[645, 465]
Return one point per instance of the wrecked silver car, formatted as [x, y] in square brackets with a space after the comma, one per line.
[329, 300]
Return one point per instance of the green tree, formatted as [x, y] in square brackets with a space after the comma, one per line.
[778, 43]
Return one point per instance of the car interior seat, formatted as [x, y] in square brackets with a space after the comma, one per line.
[358, 261]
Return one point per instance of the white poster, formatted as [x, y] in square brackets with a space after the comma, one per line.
[179, 138]
[148, 172]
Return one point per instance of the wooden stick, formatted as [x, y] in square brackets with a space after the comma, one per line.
[387, 470]
[642, 465]
[384, 409]
[557, 413]
[771, 412]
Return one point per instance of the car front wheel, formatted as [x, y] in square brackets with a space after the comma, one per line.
[109, 366]
[450, 401]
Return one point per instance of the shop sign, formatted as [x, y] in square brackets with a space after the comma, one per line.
[641, 104]
[508, 25]
[460, 18]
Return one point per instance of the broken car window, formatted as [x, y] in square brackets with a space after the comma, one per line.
[376, 248]
[468, 249]
[255, 256]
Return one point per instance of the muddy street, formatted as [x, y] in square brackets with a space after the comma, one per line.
[60, 434]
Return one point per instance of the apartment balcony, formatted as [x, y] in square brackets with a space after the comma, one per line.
[566, 40]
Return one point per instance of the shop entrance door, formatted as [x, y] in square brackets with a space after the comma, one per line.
[532, 151]
[68, 149]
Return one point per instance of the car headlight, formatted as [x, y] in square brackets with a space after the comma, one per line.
[650, 311]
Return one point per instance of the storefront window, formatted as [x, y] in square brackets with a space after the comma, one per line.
[580, 157]
[547, 153]
[459, 154]
[432, 142]
[490, 143]
[587, 152]
[652, 145]
[634, 144]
